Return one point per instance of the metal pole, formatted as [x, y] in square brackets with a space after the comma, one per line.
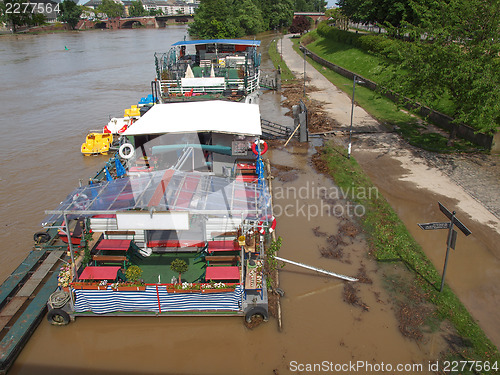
[352, 111]
[281, 48]
[304, 72]
[70, 246]
[343, 277]
[448, 245]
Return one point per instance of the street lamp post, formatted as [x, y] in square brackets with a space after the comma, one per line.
[304, 72]
[354, 81]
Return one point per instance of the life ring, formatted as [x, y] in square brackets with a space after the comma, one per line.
[273, 225]
[264, 147]
[272, 228]
[260, 227]
[79, 200]
[130, 153]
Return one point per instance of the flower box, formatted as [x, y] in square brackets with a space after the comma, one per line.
[89, 286]
[174, 290]
[220, 290]
[130, 288]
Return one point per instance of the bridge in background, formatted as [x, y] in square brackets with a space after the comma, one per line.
[130, 22]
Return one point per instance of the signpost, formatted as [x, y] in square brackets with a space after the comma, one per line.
[452, 233]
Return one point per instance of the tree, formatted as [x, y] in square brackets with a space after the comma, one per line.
[236, 18]
[300, 24]
[339, 19]
[70, 13]
[392, 14]
[16, 13]
[154, 12]
[249, 18]
[111, 8]
[310, 5]
[136, 9]
[458, 57]
[180, 266]
[277, 13]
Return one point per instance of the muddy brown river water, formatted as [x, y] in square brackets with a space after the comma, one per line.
[51, 97]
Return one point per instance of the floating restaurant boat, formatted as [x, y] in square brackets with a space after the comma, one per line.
[178, 220]
[209, 69]
[194, 192]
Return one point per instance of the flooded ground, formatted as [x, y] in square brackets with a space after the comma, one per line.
[53, 99]
[413, 181]
[474, 267]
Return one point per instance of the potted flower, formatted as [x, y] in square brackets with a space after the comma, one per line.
[185, 287]
[134, 281]
[180, 266]
[214, 287]
[64, 278]
[102, 285]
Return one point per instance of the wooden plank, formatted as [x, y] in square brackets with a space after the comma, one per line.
[21, 330]
[10, 310]
[11, 283]
[4, 320]
[13, 306]
[37, 277]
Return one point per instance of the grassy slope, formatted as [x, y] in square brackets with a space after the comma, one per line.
[381, 108]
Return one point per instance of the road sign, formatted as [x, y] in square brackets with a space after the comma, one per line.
[432, 226]
[455, 221]
[453, 240]
[452, 234]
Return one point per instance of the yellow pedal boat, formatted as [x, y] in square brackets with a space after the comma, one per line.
[97, 143]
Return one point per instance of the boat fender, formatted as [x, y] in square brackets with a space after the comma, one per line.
[264, 147]
[41, 237]
[256, 311]
[126, 154]
[58, 317]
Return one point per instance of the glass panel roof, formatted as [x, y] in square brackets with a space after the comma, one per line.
[165, 190]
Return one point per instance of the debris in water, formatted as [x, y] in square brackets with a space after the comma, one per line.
[351, 297]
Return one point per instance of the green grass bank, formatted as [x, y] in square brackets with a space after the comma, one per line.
[409, 125]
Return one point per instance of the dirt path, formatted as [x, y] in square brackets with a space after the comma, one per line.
[413, 181]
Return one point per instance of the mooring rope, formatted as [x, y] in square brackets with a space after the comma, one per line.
[58, 299]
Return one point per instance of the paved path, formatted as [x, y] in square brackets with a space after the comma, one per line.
[413, 181]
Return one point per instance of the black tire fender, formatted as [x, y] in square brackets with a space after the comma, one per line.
[41, 237]
[254, 311]
[58, 317]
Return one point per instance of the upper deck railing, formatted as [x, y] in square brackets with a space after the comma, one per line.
[209, 73]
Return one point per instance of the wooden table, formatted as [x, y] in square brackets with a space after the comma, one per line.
[113, 245]
[223, 273]
[99, 273]
[230, 245]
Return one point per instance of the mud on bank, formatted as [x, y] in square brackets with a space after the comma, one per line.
[418, 318]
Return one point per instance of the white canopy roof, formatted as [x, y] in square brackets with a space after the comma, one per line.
[211, 116]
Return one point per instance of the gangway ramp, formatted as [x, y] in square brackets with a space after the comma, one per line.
[272, 130]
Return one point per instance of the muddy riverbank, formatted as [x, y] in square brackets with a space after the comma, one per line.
[414, 181]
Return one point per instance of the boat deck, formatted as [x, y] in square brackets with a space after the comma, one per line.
[156, 267]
